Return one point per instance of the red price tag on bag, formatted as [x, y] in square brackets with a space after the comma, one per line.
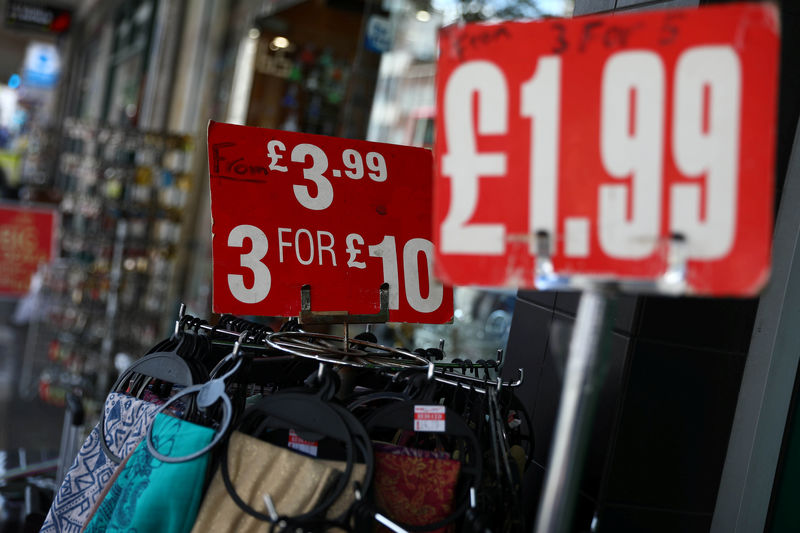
[308, 447]
[609, 135]
[338, 215]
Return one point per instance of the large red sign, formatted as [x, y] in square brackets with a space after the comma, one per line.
[27, 239]
[338, 215]
[608, 136]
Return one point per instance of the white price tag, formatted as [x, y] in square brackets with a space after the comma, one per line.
[429, 418]
[308, 447]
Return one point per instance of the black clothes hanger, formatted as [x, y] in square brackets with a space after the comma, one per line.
[327, 383]
[194, 348]
[208, 395]
[477, 413]
[164, 365]
[502, 491]
[401, 416]
[367, 336]
[317, 418]
[390, 393]
[523, 435]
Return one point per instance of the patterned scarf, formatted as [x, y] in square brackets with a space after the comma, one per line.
[126, 422]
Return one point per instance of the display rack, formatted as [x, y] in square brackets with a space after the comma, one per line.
[124, 194]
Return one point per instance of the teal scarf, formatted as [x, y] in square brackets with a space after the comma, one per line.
[154, 496]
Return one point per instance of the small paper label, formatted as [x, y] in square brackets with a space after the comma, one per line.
[301, 445]
[429, 418]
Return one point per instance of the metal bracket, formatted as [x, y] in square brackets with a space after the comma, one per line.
[307, 316]
[672, 281]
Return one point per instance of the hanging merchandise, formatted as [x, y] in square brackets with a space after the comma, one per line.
[125, 423]
[300, 431]
[255, 429]
[154, 495]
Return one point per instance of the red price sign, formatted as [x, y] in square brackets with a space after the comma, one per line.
[339, 215]
[27, 239]
[609, 135]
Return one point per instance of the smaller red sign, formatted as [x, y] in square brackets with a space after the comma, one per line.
[340, 216]
[27, 239]
[41, 17]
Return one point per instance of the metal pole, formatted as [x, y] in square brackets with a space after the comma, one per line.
[582, 380]
[112, 305]
[26, 390]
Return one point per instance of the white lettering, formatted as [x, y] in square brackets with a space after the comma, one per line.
[326, 247]
[307, 233]
[282, 243]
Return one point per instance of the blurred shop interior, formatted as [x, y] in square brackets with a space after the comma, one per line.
[104, 117]
[104, 106]
[103, 113]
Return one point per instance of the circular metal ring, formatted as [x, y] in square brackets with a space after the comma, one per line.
[227, 410]
[295, 342]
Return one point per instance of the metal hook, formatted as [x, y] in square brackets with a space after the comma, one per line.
[273, 513]
[482, 363]
[545, 276]
[238, 343]
[674, 277]
[519, 380]
[388, 523]
[544, 264]
[181, 313]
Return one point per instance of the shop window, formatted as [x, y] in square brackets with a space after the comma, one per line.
[132, 35]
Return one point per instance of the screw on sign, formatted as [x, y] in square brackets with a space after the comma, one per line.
[339, 215]
[609, 135]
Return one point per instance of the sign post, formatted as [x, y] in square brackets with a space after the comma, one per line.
[582, 380]
[630, 153]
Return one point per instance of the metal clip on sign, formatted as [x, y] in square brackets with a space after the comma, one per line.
[585, 372]
[307, 316]
[673, 281]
